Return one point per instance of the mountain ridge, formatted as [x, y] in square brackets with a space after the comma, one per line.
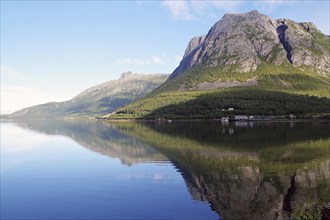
[235, 33]
[249, 54]
[97, 99]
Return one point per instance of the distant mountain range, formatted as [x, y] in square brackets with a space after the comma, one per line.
[247, 62]
[97, 100]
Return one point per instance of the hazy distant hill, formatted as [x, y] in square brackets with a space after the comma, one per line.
[251, 62]
[99, 99]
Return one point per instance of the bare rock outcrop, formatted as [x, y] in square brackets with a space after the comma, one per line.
[305, 45]
[242, 42]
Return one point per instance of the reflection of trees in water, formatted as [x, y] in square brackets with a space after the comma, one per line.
[249, 180]
[243, 170]
[244, 134]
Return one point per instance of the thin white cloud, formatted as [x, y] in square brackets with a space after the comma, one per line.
[179, 9]
[187, 10]
[157, 60]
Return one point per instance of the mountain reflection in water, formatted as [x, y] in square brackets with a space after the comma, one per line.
[243, 170]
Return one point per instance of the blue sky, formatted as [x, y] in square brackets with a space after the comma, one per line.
[52, 50]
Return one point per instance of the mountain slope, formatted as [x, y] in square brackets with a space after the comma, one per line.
[99, 99]
[246, 61]
[245, 40]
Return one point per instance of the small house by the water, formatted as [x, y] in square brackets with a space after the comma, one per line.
[241, 117]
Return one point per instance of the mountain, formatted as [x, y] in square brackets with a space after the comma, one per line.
[249, 62]
[97, 100]
[243, 41]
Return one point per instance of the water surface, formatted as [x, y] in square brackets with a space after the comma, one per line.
[161, 170]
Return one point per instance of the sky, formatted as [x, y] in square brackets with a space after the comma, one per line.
[53, 50]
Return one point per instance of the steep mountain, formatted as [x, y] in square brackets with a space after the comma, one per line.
[243, 41]
[99, 99]
[251, 62]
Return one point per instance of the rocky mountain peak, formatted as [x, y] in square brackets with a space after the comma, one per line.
[193, 44]
[250, 14]
[126, 75]
[241, 42]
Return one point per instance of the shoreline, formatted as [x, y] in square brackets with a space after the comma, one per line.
[229, 121]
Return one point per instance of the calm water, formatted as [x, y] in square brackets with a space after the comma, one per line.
[160, 170]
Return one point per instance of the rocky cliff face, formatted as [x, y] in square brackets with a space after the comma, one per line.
[240, 42]
[305, 45]
[194, 44]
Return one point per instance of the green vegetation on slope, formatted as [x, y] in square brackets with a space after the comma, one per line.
[195, 105]
[97, 100]
[280, 90]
